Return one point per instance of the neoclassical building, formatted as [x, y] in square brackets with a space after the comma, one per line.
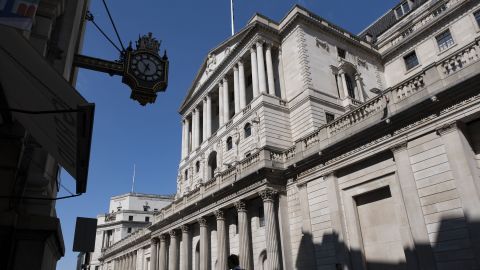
[305, 146]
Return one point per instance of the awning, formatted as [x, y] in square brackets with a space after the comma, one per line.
[30, 83]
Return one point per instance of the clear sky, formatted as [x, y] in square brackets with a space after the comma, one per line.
[126, 133]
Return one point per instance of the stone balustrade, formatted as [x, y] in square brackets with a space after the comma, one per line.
[134, 237]
[408, 87]
[460, 59]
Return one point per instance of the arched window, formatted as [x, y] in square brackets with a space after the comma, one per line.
[229, 143]
[247, 130]
[212, 164]
[350, 86]
[197, 166]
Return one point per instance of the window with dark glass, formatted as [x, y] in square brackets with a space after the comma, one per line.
[197, 166]
[403, 9]
[229, 143]
[261, 217]
[130, 218]
[444, 40]
[248, 154]
[341, 53]
[329, 117]
[247, 130]
[411, 60]
[477, 17]
[350, 86]
[129, 230]
[186, 174]
[147, 219]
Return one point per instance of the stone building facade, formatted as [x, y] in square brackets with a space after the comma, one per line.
[308, 147]
[127, 213]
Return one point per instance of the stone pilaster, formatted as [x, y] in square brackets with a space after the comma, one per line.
[162, 261]
[241, 84]
[253, 61]
[273, 251]
[203, 244]
[222, 252]
[226, 99]
[153, 253]
[344, 84]
[236, 89]
[245, 251]
[262, 82]
[185, 257]
[184, 130]
[173, 251]
[270, 79]
[465, 172]
[413, 206]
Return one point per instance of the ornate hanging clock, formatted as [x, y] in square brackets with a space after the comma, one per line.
[142, 69]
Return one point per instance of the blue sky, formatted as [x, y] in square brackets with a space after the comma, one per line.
[126, 133]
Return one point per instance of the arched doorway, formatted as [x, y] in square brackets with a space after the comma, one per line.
[212, 164]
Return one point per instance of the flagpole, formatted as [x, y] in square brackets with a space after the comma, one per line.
[133, 178]
[232, 17]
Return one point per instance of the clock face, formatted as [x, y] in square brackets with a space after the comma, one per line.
[147, 67]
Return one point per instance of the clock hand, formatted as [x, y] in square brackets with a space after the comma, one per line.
[147, 66]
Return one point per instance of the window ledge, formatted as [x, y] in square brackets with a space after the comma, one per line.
[447, 49]
[414, 69]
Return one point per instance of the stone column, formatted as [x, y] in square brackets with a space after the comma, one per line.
[203, 244]
[153, 253]
[198, 127]
[245, 252]
[162, 261]
[413, 206]
[283, 94]
[173, 251]
[204, 115]
[271, 81]
[187, 136]
[194, 129]
[273, 252]
[226, 99]
[236, 89]
[185, 257]
[183, 145]
[358, 82]
[209, 116]
[253, 61]
[241, 84]
[222, 252]
[465, 172]
[220, 104]
[340, 86]
[344, 84]
[262, 82]
[120, 263]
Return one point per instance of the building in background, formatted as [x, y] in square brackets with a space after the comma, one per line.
[308, 147]
[45, 124]
[127, 214]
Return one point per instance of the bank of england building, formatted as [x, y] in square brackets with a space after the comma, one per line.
[305, 146]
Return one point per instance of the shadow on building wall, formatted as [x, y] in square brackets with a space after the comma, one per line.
[454, 244]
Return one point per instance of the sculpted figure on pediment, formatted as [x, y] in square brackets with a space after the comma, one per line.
[211, 62]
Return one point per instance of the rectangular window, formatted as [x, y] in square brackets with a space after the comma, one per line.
[129, 230]
[330, 117]
[341, 53]
[477, 17]
[411, 60]
[444, 40]
[402, 10]
[261, 217]
[147, 219]
[130, 218]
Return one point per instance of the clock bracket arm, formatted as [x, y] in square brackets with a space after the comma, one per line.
[97, 64]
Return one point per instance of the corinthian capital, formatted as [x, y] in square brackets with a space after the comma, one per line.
[267, 194]
[241, 206]
[218, 214]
